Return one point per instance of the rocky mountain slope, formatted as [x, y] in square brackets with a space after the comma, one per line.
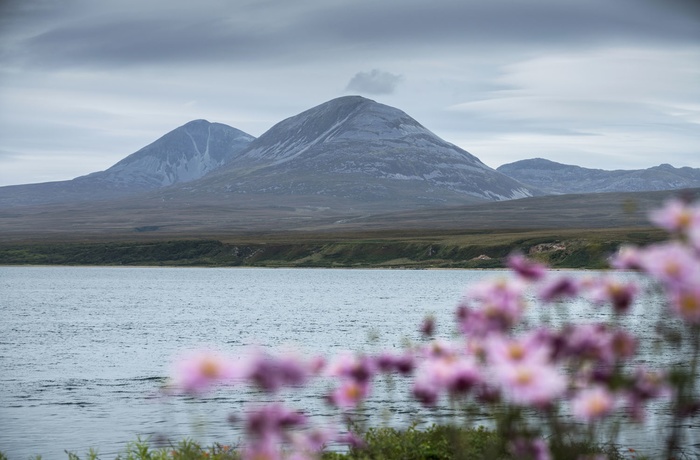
[184, 154]
[557, 178]
[353, 148]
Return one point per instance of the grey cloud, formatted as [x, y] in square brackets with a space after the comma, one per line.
[123, 34]
[374, 82]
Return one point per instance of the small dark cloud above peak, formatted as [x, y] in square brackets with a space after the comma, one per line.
[374, 82]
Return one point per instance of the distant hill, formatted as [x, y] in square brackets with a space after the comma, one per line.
[556, 178]
[184, 154]
[355, 149]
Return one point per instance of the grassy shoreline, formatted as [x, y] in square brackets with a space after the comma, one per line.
[437, 442]
[569, 248]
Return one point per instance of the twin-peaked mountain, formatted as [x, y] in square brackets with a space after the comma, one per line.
[356, 149]
[351, 150]
[349, 153]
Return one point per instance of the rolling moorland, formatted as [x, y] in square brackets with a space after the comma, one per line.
[349, 183]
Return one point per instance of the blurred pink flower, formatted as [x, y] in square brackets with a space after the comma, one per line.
[628, 257]
[493, 305]
[557, 288]
[349, 394]
[671, 263]
[592, 343]
[592, 404]
[359, 368]
[676, 216]
[262, 449]
[506, 351]
[453, 374]
[198, 371]
[615, 292]
[270, 422]
[271, 373]
[526, 268]
[403, 363]
[535, 449]
[530, 383]
[685, 302]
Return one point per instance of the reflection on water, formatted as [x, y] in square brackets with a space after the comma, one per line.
[85, 351]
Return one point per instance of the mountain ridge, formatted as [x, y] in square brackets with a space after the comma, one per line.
[355, 148]
[558, 178]
[173, 158]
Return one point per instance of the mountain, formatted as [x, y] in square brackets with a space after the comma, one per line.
[182, 155]
[557, 178]
[355, 149]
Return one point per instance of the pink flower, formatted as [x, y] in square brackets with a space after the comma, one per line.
[349, 394]
[264, 449]
[525, 268]
[200, 370]
[676, 216]
[492, 306]
[535, 449]
[671, 263]
[615, 292]
[403, 364]
[588, 342]
[592, 404]
[627, 258]
[530, 383]
[271, 421]
[454, 374]
[685, 302]
[558, 288]
[503, 351]
[271, 373]
[359, 368]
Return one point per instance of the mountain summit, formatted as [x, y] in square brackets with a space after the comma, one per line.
[184, 154]
[355, 148]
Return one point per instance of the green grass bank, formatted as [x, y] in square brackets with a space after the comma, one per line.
[569, 248]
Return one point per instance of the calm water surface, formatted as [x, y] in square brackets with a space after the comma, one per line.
[85, 350]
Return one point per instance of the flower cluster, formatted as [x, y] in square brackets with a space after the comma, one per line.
[586, 370]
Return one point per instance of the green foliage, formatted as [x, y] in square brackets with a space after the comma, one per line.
[448, 442]
[184, 450]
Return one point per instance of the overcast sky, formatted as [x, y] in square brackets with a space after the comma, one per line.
[597, 83]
